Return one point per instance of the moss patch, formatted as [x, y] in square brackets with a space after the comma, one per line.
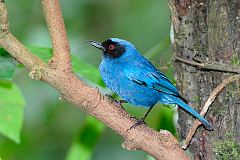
[235, 60]
[227, 149]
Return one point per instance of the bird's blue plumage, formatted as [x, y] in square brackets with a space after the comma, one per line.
[126, 72]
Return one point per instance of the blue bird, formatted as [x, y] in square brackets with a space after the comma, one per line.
[125, 71]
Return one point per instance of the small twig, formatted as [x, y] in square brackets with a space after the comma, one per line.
[207, 104]
[210, 66]
[60, 43]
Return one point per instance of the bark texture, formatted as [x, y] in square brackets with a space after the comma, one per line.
[208, 31]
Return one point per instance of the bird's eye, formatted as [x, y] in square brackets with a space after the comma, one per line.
[111, 47]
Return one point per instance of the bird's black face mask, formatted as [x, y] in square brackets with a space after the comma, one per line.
[110, 48]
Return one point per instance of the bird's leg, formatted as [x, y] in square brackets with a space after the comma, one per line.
[119, 102]
[142, 120]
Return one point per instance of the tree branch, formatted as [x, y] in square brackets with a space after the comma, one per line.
[161, 145]
[60, 43]
[210, 66]
[207, 104]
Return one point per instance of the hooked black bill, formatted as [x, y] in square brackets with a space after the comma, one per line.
[96, 44]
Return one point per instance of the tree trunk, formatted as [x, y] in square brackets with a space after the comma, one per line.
[208, 31]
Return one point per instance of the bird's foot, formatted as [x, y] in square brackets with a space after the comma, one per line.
[138, 123]
[119, 102]
[110, 97]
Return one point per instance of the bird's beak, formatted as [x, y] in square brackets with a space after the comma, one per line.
[96, 44]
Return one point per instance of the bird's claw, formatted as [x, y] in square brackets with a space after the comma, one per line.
[138, 123]
[109, 97]
[118, 102]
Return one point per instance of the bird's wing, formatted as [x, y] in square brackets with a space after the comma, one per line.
[147, 75]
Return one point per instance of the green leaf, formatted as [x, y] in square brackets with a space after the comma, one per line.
[11, 110]
[81, 68]
[85, 142]
[43, 53]
[7, 65]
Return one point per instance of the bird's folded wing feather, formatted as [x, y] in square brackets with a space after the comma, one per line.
[149, 76]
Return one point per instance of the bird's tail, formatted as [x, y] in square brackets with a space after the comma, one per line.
[189, 109]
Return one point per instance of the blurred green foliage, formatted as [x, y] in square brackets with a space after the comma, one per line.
[53, 129]
[11, 111]
[86, 140]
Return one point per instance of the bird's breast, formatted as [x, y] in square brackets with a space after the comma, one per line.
[111, 75]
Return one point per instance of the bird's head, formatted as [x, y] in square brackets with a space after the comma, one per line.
[114, 48]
